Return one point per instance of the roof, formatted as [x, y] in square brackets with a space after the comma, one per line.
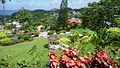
[54, 37]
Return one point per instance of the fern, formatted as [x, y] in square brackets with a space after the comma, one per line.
[108, 36]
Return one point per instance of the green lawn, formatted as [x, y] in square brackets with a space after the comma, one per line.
[34, 52]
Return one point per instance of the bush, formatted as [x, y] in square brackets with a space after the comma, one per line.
[51, 32]
[63, 31]
[19, 40]
[35, 33]
[64, 40]
[117, 20]
[24, 37]
[108, 36]
[6, 41]
[70, 58]
[2, 35]
[5, 31]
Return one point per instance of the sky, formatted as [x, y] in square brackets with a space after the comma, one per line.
[43, 4]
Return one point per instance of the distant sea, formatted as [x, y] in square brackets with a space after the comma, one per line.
[7, 12]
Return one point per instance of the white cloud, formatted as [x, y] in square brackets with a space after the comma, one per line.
[53, 1]
[44, 4]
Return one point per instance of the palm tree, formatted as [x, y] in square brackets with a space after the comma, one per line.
[3, 2]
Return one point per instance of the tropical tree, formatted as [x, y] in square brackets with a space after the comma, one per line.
[63, 14]
[100, 14]
[3, 2]
[25, 17]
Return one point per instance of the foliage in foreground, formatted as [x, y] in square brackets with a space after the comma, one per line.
[70, 59]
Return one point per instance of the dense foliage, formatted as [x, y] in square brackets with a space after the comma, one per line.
[70, 58]
[100, 14]
[63, 14]
[23, 15]
[93, 30]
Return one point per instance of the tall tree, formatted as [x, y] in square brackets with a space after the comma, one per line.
[100, 14]
[3, 2]
[25, 17]
[63, 14]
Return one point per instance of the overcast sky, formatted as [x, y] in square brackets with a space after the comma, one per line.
[43, 4]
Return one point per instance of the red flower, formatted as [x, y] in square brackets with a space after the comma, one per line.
[74, 20]
[73, 53]
[52, 55]
[69, 59]
[85, 59]
[53, 60]
[83, 65]
[65, 58]
[75, 67]
[102, 54]
[70, 63]
[72, 48]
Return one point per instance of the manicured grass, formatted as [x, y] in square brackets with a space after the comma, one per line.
[29, 51]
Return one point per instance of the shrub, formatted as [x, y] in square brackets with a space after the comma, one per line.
[19, 40]
[51, 32]
[63, 31]
[117, 20]
[24, 37]
[5, 31]
[2, 35]
[64, 40]
[23, 64]
[6, 41]
[36, 34]
[70, 59]
[108, 36]
[4, 63]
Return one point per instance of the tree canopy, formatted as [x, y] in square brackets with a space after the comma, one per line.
[100, 14]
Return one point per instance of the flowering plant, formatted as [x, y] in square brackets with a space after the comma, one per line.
[69, 59]
[102, 60]
[75, 20]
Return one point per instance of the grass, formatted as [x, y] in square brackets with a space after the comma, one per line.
[31, 52]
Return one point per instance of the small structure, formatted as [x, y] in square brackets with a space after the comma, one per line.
[17, 24]
[1, 27]
[53, 43]
[42, 31]
[43, 34]
[40, 28]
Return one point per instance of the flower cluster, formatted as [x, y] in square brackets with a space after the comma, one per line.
[74, 20]
[101, 59]
[69, 59]
[53, 60]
